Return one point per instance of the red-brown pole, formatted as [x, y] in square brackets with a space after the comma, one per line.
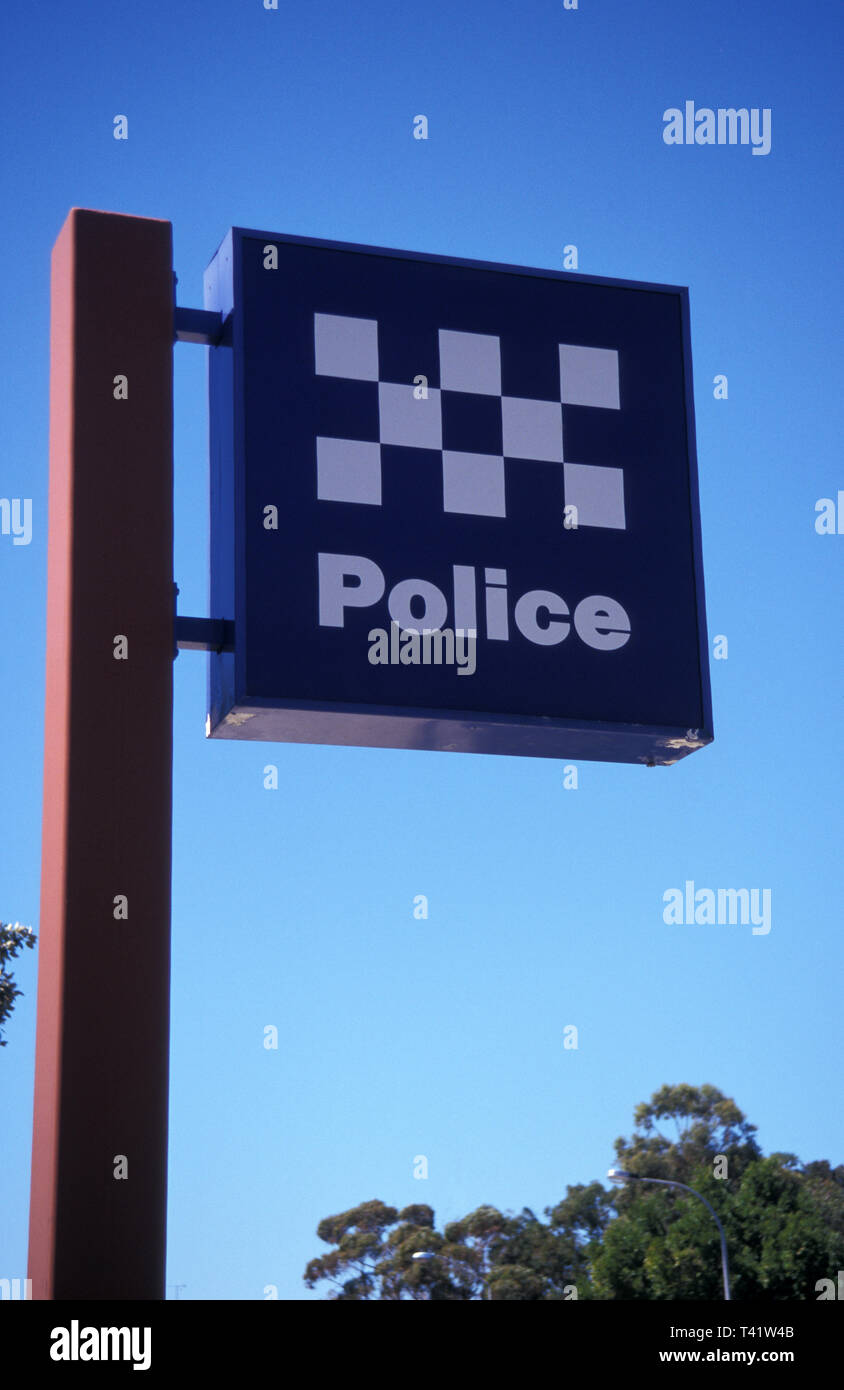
[99, 1152]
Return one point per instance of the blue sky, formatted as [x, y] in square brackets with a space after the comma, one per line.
[294, 907]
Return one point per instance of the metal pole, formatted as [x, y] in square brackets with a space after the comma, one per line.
[99, 1154]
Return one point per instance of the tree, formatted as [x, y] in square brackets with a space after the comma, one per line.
[486, 1255]
[13, 938]
[707, 1125]
[784, 1225]
[374, 1255]
[664, 1244]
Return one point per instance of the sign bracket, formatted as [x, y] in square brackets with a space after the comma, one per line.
[204, 634]
[203, 326]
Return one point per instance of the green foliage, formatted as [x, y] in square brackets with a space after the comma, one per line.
[13, 938]
[706, 1124]
[486, 1255]
[784, 1225]
[783, 1242]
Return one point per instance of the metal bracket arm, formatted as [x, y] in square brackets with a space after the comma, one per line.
[204, 634]
[197, 326]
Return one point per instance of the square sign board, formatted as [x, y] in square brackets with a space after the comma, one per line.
[503, 457]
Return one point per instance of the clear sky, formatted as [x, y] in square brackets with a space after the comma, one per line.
[444, 1037]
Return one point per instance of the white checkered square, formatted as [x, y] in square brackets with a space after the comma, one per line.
[589, 376]
[470, 362]
[598, 494]
[348, 470]
[532, 429]
[346, 347]
[473, 484]
[406, 420]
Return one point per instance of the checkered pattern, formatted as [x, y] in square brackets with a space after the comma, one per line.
[349, 470]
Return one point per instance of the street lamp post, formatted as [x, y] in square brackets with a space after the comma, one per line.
[620, 1176]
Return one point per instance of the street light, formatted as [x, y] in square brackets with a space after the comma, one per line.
[619, 1175]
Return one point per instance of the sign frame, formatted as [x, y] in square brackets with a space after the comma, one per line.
[234, 713]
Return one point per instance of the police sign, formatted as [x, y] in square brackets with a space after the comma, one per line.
[454, 506]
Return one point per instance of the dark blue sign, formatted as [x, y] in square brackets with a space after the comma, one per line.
[454, 506]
